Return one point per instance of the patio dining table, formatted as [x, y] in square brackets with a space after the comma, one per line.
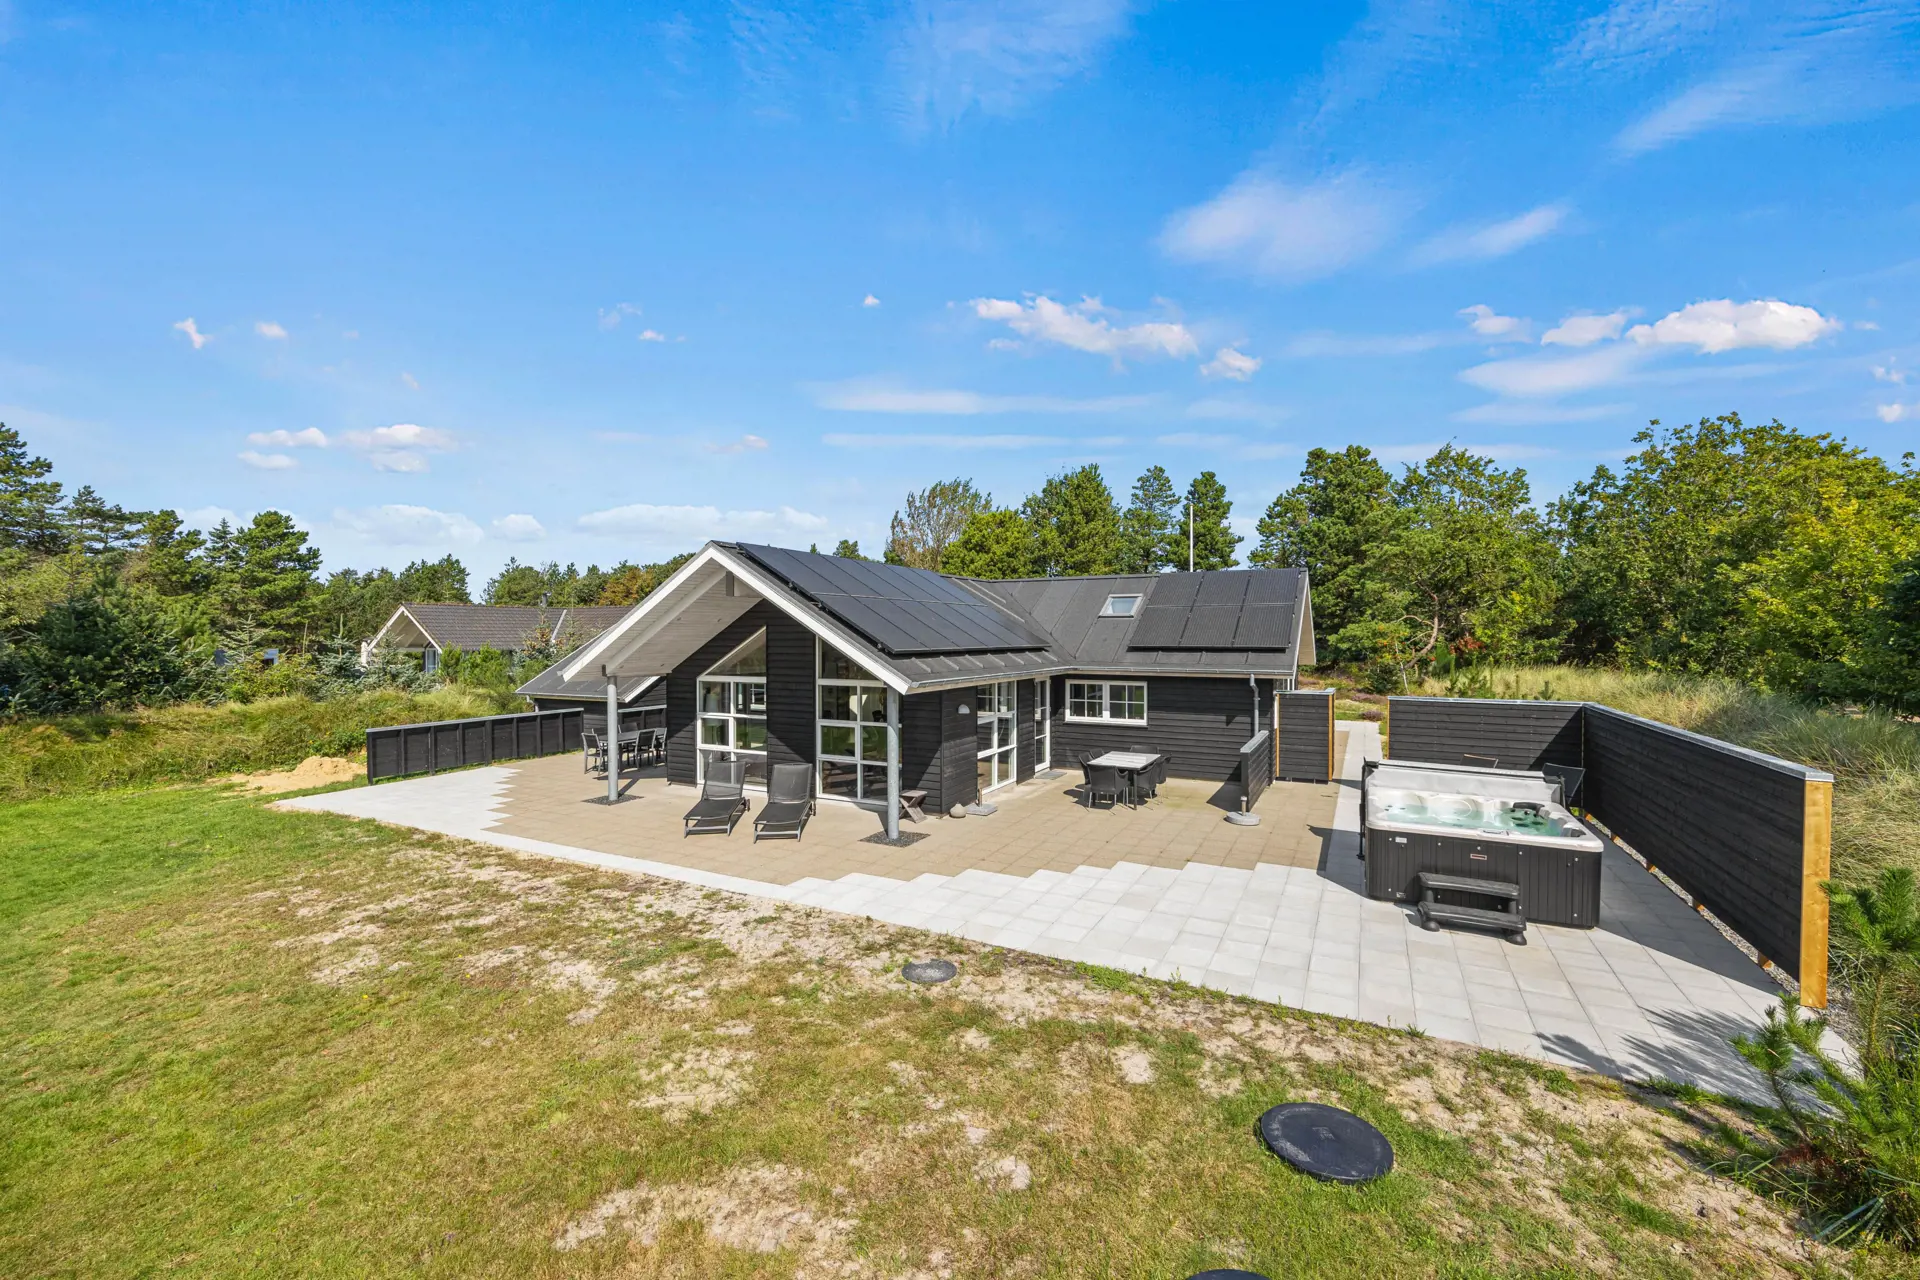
[1131, 763]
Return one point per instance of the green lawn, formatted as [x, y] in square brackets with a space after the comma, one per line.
[239, 1041]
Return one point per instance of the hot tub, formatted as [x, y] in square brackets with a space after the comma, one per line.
[1506, 825]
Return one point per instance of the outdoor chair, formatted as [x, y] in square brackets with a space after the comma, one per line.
[723, 799]
[789, 802]
[653, 745]
[1104, 780]
[595, 754]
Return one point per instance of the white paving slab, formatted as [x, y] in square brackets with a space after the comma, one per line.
[1654, 991]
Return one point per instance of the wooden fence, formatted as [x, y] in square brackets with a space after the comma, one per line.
[402, 750]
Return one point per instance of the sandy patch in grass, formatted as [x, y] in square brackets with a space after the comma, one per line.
[700, 1080]
[1008, 1173]
[1133, 1064]
[753, 1209]
[339, 972]
[314, 771]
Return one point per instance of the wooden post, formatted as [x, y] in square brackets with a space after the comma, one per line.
[1333, 769]
[893, 764]
[1816, 866]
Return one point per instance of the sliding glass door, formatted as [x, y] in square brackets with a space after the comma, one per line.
[733, 710]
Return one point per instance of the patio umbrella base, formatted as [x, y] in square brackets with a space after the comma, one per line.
[1244, 819]
[1326, 1142]
[930, 972]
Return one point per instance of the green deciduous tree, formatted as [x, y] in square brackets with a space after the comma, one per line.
[1213, 541]
[442, 581]
[933, 518]
[1075, 523]
[1151, 526]
[994, 544]
[1650, 556]
[1330, 523]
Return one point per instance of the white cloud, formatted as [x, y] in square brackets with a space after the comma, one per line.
[1494, 240]
[518, 528]
[869, 301]
[1585, 330]
[610, 317]
[1488, 323]
[266, 461]
[1511, 414]
[1083, 327]
[192, 330]
[748, 443]
[402, 525]
[1498, 452]
[847, 440]
[208, 517]
[1234, 365]
[650, 335]
[953, 57]
[1725, 325]
[1261, 224]
[862, 396]
[268, 329]
[412, 383]
[642, 519]
[1224, 409]
[1886, 373]
[350, 334]
[1545, 376]
[405, 460]
[401, 435]
[305, 438]
[1891, 413]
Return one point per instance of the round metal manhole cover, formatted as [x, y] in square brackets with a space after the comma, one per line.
[1226, 1273]
[1326, 1142]
[929, 972]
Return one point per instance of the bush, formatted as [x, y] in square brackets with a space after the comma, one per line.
[107, 647]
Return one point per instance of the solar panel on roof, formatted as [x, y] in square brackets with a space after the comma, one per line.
[1265, 626]
[1273, 586]
[1173, 590]
[1158, 628]
[1210, 628]
[1220, 589]
[902, 610]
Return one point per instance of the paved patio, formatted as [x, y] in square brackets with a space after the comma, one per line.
[1274, 912]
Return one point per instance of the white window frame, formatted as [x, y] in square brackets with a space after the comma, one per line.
[702, 748]
[1000, 702]
[1132, 611]
[1106, 688]
[870, 775]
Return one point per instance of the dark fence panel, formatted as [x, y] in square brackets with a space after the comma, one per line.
[1256, 768]
[396, 751]
[1727, 824]
[1304, 751]
[1746, 834]
[1517, 734]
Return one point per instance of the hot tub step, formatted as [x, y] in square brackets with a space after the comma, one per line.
[1433, 913]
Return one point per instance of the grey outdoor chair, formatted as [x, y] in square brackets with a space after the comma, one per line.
[1104, 780]
[595, 755]
[723, 800]
[789, 802]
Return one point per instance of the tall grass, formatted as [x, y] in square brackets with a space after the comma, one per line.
[70, 754]
[1874, 756]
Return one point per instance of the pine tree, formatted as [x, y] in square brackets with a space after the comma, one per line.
[1329, 523]
[848, 549]
[31, 518]
[1076, 525]
[1151, 524]
[995, 544]
[1214, 541]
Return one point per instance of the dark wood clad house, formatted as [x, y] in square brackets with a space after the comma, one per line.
[769, 655]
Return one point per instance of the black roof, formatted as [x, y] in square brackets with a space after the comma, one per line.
[935, 627]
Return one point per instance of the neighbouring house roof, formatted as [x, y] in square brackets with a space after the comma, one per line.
[920, 630]
[469, 627]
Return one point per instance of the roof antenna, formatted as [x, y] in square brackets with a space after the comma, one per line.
[544, 597]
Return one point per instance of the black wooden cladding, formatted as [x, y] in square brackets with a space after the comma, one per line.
[1557, 886]
[1198, 722]
[1517, 734]
[594, 714]
[790, 691]
[1725, 823]
[397, 751]
[1256, 767]
[1305, 732]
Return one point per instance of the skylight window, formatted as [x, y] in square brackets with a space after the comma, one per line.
[1120, 607]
